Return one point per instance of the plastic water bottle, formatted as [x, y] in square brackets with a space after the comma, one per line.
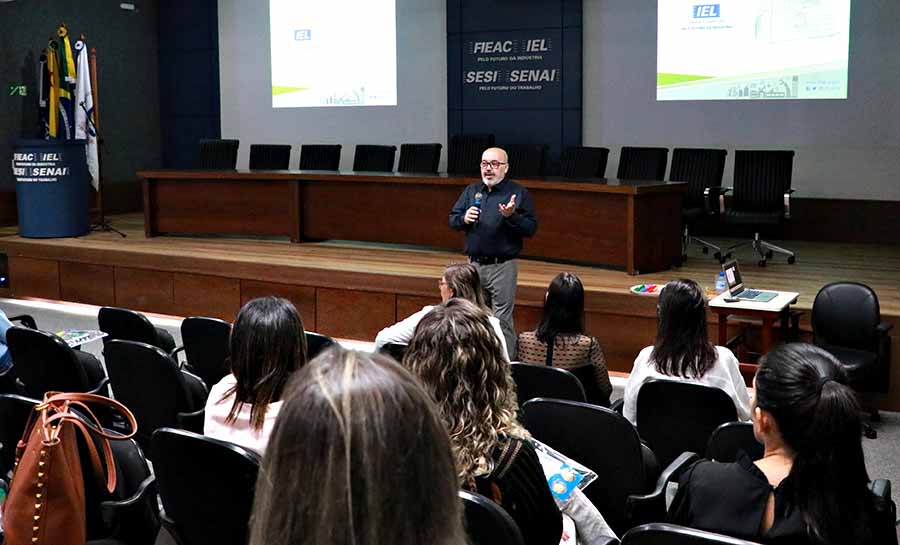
[720, 282]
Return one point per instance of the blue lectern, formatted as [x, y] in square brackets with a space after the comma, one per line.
[51, 188]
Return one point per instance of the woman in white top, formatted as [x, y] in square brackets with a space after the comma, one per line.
[459, 280]
[683, 352]
[267, 345]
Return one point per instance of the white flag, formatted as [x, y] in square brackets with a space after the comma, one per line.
[84, 113]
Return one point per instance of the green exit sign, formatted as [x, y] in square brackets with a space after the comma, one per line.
[18, 90]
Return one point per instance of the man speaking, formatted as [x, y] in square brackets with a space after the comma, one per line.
[496, 214]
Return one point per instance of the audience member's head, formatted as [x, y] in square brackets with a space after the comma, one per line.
[563, 308]
[461, 280]
[267, 345]
[458, 357]
[358, 455]
[682, 347]
[803, 406]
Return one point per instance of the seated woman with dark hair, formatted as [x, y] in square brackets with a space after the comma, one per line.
[359, 456]
[682, 351]
[560, 341]
[266, 346]
[459, 280]
[811, 485]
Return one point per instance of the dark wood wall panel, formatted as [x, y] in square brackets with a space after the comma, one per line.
[146, 290]
[409, 304]
[201, 295]
[303, 297]
[29, 277]
[352, 314]
[86, 283]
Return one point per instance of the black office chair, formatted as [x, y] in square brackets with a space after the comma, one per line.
[730, 438]
[671, 534]
[43, 362]
[217, 154]
[846, 321]
[487, 523]
[270, 156]
[14, 412]
[316, 343]
[533, 381]
[632, 490]
[419, 158]
[761, 198]
[206, 487]
[464, 153]
[584, 162]
[369, 158]
[702, 169]
[125, 324]
[526, 160]
[586, 375]
[642, 163]
[320, 157]
[205, 348]
[394, 350]
[675, 417]
[149, 382]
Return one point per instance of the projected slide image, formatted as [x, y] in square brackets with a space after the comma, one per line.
[333, 53]
[752, 49]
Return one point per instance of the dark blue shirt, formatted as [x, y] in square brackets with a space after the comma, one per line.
[493, 235]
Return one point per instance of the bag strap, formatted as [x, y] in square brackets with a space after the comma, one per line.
[550, 342]
[79, 400]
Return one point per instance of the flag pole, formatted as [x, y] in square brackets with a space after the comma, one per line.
[102, 224]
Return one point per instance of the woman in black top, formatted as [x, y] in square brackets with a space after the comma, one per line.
[811, 486]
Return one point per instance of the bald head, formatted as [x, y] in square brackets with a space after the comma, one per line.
[494, 164]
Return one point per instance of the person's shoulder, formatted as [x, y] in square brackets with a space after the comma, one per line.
[643, 356]
[218, 390]
[528, 336]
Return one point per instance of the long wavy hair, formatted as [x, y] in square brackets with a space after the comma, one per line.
[459, 359]
[804, 388]
[682, 347]
[359, 455]
[267, 345]
[563, 308]
[465, 283]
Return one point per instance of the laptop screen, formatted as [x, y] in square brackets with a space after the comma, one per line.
[733, 277]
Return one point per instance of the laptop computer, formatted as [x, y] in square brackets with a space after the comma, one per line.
[736, 285]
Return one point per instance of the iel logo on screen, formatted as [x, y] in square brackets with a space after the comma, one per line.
[706, 11]
[302, 35]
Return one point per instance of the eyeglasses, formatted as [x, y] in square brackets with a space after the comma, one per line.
[495, 164]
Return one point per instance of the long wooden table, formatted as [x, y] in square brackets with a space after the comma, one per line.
[631, 225]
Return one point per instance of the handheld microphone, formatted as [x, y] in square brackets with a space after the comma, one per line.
[477, 205]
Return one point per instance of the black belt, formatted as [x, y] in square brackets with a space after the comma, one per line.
[485, 260]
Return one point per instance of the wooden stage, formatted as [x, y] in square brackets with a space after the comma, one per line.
[352, 290]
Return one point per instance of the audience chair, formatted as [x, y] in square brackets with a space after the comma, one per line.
[702, 169]
[487, 523]
[148, 381]
[671, 534]
[270, 157]
[533, 381]
[761, 198]
[128, 325]
[632, 490]
[675, 417]
[320, 157]
[464, 153]
[419, 158]
[642, 163]
[25, 319]
[43, 362]
[368, 158]
[846, 321]
[14, 412]
[394, 350]
[584, 162]
[730, 438]
[206, 487]
[316, 343]
[205, 347]
[526, 160]
[586, 376]
[217, 154]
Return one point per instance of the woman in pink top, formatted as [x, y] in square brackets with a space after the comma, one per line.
[267, 345]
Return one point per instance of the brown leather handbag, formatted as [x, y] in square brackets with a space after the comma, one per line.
[46, 502]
